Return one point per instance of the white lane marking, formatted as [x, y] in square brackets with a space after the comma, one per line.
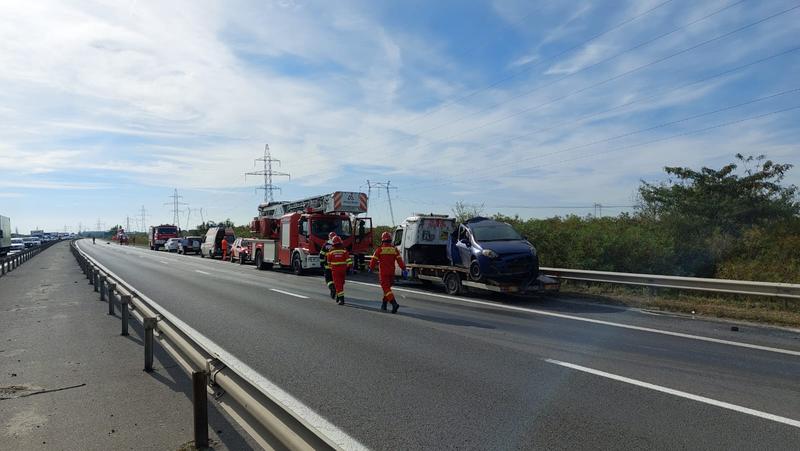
[595, 321]
[288, 293]
[301, 411]
[202, 272]
[682, 394]
[162, 261]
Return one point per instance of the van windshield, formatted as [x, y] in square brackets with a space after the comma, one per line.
[495, 232]
[167, 230]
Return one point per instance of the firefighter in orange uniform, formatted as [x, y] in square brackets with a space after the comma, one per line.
[385, 256]
[340, 262]
[224, 246]
[323, 257]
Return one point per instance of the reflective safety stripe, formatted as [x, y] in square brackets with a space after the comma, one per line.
[341, 293]
[386, 250]
[330, 284]
[339, 263]
[388, 293]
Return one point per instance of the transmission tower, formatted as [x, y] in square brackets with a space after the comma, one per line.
[267, 173]
[382, 186]
[176, 207]
[143, 212]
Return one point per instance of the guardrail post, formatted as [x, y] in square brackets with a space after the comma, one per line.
[110, 296]
[200, 404]
[125, 301]
[91, 275]
[149, 326]
[96, 280]
[103, 287]
[3, 267]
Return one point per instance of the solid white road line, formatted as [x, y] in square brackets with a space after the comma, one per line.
[682, 394]
[288, 293]
[202, 272]
[594, 321]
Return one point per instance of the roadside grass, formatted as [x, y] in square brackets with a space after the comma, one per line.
[762, 309]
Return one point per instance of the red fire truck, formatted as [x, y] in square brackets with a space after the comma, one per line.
[160, 234]
[291, 234]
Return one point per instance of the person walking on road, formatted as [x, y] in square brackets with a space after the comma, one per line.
[385, 257]
[340, 262]
[323, 258]
[92, 240]
[224, 246]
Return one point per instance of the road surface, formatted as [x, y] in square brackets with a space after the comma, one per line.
[477, 373]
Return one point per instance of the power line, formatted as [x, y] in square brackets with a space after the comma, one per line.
[144, 219]
[651, 97]
[268, 173]
[657, 140]
[628, 134]
[607, 80]
[538, 63]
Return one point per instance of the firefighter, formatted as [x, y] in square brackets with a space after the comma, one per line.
[385, 256]
[224, 246]
[323, 254]
[340, 263]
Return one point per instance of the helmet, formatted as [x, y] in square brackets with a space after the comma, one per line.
[337, 241]
[386, 236]
[331, 235]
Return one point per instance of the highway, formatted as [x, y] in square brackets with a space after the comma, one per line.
[478, 373]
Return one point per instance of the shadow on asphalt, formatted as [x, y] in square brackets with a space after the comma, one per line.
[420, 316]
[172, 376]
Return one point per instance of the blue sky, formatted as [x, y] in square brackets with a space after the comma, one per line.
[535, 108]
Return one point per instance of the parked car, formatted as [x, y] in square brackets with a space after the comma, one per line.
[212, 245]
[30, 242]
[190, 245]
[494, 250]
[172, 245]
[240, 251]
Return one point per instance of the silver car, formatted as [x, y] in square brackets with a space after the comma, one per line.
[172, 245]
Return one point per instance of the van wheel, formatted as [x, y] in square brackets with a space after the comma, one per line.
[452, 283]
[475, 271]
[241, 259]
[297, 265]
[201, 255]
[260, 261]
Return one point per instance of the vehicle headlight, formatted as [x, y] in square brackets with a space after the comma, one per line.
[490, 253]
[533, 251]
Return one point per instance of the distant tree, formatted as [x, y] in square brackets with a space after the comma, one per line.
[463, 211]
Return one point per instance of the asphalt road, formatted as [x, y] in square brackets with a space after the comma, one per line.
[480, 373]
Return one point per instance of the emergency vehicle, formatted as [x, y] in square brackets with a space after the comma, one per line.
[291, 234]
[159, 235]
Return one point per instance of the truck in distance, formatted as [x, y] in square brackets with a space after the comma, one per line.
[158, 235]
[5, 235]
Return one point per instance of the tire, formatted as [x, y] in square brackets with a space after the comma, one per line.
[452, 283]
[475, 271]
[241, 259]
[297, 265]
[260, 261]
[201, 254]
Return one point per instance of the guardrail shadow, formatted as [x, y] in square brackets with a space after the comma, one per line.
[169, 373]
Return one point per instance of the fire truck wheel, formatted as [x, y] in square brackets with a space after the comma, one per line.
[297, 265]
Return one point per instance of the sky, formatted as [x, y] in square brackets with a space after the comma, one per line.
[535, 108]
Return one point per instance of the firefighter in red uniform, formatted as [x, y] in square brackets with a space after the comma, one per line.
[340, 262]
[323, 257]
[224, 245]
[386, 255]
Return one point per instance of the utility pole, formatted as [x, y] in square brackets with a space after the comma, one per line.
[598, 210]
[176, 207]
[202, 219]
[268, 173]
[382, 186]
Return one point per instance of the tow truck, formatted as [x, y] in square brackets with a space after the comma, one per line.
[425, 243]
[291, 234]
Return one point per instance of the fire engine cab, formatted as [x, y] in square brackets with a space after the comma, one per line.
[291, 234]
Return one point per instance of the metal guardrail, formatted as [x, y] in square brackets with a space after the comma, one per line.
[781, 290]
[213, 370]
[12, 262]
